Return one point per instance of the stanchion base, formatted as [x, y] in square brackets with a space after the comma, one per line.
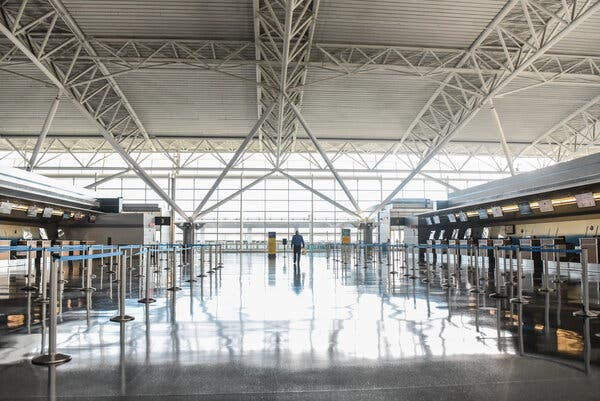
[192, 280]
[173, 288]
[425, 280]
[446, 285]
[394, 272]
[475, 291]
[121, 319]
[91, 289]
[546, 290]
[29, 288]
[519, 300]
[558, 281]
[46, 360]
[211, 272]
[498, 296]
[588, 314]
[146, 300]
[201, 275]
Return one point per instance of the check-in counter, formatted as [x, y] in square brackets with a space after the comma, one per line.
[536, 257]
[466, 243]
[4, 255]
[485, 253]
[530, 242]
[592, 244]
[23, 254]
[501, 242]
[556, 243]
[430, 251]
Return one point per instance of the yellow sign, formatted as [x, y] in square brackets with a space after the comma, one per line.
[272, 244]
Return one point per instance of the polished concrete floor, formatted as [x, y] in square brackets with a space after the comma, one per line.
[261, 330]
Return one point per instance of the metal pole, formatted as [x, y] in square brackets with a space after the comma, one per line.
[173, 286]
[585, 290]
[413, 276]
[122, 317]
[519, 298]
[147, 299]
[202, 274]
[546, 274]
[52, 357]
[30, 260]
[427, 278]
[498, 293]
[476, 290]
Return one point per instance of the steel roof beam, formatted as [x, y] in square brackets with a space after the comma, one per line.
[461, 107]
[50, 70]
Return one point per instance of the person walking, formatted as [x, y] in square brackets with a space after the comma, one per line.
[297, 244]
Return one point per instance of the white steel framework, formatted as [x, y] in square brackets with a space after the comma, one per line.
[517, 43]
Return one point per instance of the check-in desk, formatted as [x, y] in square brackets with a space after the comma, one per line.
[534, 257]
[439, 252]
[430, 252]
[556, 243]
[592, 244]
[485, 253]
[464, 243]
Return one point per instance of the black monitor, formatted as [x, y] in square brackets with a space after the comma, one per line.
[524, 208]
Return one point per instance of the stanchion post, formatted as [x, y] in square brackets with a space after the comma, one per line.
[519, 299]
[28, 285]
[122, 317]
[497, 275]
[585, 289]
[174, 286]
[476, 290]
[147, 299]
[52, 357]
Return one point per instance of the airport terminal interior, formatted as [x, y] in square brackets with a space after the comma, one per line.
[299, 200]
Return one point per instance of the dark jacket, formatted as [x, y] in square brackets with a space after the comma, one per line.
[297, 240]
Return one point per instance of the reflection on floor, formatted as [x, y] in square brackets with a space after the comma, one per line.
[260, 329]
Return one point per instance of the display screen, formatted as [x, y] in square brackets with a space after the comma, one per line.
[585, 200]
[455, 233]
[436, 219]
[497, 211]
[428, 221]
[32, 211]
[5, 207]
[524, 208]
[47, 212]
[482, 213]
[462, 216]
[452, 218]
[432, 235]
[546, 205]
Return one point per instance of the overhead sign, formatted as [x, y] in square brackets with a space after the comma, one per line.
[497, 211]
[452, 218]
[462, 216]
[32, 211]
[585, 200]
[524, 208]
[5, 207]
[346, 236]
[482, 214]
[436, 219]
[428, 221]
[546, 205]
[162, 221]
[47, 212]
